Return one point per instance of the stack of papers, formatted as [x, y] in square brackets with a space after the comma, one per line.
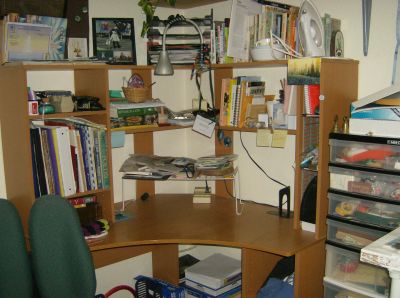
[215, 162]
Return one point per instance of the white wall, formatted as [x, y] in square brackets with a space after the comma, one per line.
[374, 73]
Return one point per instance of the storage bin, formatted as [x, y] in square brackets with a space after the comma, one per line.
[351, 234]
[371, 212]
[375, 152]
[344, 266]
[337, 291]
[383, 184]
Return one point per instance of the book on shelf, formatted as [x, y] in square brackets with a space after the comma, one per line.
[73, 155]
[236, 285]
[311, 99]
[191, 292]
[215, 271]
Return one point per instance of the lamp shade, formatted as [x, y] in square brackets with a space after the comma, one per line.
[164, 66]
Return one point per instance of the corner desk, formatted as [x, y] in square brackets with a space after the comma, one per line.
[162, 222]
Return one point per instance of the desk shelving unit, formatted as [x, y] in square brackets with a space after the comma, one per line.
[338, 86]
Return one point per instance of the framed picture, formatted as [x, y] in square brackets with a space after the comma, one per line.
[77, 48]
[114, 39]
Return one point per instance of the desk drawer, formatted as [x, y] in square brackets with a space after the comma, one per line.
[364, 210]
[351, 234]
[383, 184]
[344, 266]
[375, 152]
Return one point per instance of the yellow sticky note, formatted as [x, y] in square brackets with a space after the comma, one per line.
[264, 137]
[279, 138]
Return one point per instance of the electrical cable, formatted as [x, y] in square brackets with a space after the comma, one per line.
[261, 169]
[211, 90]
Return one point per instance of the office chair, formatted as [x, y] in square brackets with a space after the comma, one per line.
[62, 263]
[15, 269]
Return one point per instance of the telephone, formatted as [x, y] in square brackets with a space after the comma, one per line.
[87, 103]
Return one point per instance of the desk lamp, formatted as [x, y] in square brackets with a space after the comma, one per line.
[164, 66]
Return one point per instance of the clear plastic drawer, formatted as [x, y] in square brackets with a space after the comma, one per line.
[332, 290]
[383, 185]
[371, 212]
[351, 234]
[344, 266]
[375, 152]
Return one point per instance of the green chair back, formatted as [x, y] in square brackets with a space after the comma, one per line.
[62, 262]
[15, 270]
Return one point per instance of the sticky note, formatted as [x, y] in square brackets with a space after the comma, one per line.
[279, 138]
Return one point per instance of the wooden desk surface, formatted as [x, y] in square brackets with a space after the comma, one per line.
[174, 219]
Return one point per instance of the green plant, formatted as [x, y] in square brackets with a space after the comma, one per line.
[149, 7]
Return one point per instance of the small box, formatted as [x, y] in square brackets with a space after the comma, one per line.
[33, 107]
[344, 266]
[117, 139]
[62, 104]
[351, 234]
[148, 287]
[371, 212]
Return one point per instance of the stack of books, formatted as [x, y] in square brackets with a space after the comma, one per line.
[216, 276]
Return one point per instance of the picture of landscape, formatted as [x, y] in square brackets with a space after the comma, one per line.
[304, 71]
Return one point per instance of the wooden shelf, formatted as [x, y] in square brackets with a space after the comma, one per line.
[245, 129]
[71, 114]
[88, 193]
[184, 4]
[139, 129]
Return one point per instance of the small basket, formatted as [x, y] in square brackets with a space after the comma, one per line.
[136, 94]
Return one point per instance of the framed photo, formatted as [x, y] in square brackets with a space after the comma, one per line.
[114, 39]
[77, 48]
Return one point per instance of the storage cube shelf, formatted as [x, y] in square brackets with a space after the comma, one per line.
[344, 266]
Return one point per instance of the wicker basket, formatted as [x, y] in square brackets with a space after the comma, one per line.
[136, 94]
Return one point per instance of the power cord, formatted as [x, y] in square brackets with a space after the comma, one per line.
[261, 169]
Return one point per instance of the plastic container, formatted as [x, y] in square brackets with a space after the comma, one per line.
[382, 184]
[351, 234]
[370, 212]
[337, 291]
[367, 151]
[344, 266]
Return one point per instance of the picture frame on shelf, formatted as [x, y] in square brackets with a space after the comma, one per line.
[114, 40]
[77, 48]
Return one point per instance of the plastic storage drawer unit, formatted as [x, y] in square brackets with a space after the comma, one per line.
[383, 184]
[335, 291]
[364, 210]
[344, 266]
[375, 152]
[351, 234]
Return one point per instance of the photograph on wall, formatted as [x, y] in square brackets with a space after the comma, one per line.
[77, 48]
[304, 71]
[114, 39]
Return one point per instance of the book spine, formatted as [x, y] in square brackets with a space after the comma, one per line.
[97, 159]
[122, 113]
[47, 161]
[84, 137]
[104, 159]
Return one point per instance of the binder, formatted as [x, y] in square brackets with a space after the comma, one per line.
[311, 98]
[65, 160]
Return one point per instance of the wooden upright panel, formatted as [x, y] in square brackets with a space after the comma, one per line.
[339, 87]
[222, 186]
[256, 266]
[15, 137]
[165, 259]
[309, 271]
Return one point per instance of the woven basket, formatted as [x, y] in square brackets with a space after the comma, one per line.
[136, 94]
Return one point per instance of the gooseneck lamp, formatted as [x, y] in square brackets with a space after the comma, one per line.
[164, 66]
